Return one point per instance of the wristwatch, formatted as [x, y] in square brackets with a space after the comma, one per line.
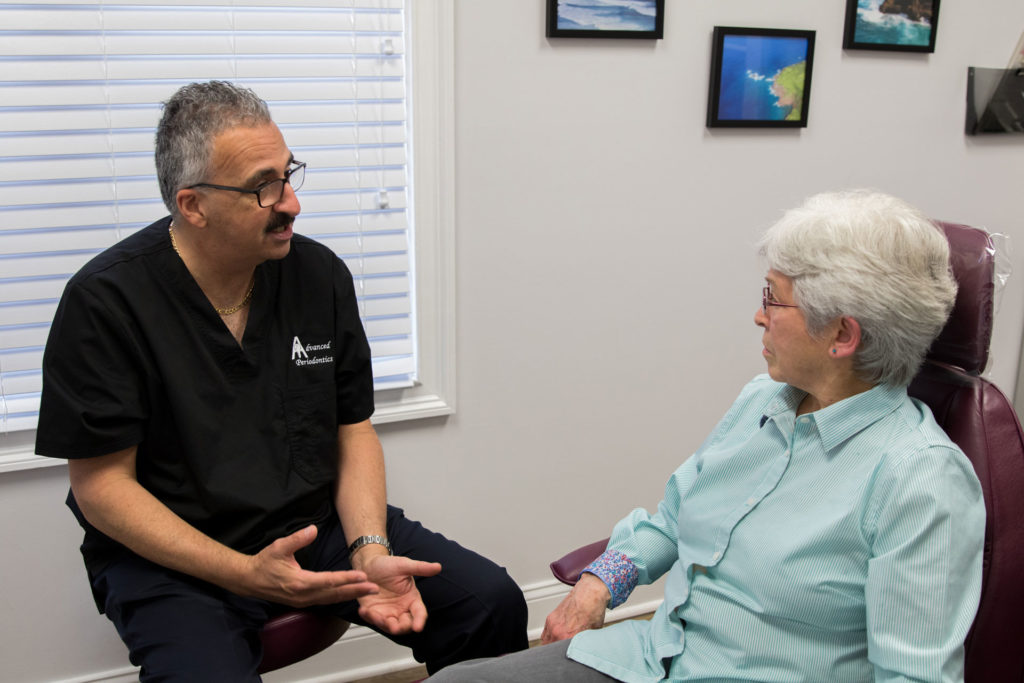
[367, 540]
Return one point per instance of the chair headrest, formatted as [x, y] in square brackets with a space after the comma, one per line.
[964, 341]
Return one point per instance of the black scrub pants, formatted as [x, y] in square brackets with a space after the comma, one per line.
[178, 628]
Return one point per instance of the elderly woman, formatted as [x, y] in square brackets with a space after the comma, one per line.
[827, 529]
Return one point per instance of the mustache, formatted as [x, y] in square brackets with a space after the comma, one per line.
[278, 220]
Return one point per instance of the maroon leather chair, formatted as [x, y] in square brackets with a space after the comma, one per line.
[978, 417]
[296, 635]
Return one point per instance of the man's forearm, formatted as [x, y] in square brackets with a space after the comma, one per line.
[361, 492]
[116, 504]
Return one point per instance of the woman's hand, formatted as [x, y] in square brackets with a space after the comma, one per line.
[582, 609]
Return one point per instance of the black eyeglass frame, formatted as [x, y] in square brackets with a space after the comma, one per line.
[299, 166]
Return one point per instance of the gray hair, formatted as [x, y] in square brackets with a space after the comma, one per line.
[193, 116]
[874, 258]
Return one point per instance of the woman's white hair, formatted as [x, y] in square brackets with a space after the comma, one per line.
[876, 259]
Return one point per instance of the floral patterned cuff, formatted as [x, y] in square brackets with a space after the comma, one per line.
[617, 572]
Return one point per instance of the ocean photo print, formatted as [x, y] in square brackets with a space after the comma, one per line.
[606, 18]
[760, 77]
[901, 25]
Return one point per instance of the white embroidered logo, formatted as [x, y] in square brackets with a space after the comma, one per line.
[297, 349]
[321, 353]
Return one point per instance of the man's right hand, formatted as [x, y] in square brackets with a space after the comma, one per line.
[582, 609]
[111, 498]
[273, 574]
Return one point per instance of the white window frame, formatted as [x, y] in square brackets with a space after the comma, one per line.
[432, 72]
[432, 151]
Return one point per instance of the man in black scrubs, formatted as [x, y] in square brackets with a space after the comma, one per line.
[209, 382]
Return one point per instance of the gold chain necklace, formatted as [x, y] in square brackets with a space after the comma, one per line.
[223, 311]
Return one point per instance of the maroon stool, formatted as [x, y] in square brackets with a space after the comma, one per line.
[296, 635]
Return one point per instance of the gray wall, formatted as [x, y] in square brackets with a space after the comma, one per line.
[606, 282]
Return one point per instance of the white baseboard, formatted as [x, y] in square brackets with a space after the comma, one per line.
[361, 653]
[126, 674]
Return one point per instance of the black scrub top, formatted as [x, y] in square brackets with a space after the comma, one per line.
[241, 442]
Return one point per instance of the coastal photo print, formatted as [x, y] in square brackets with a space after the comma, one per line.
[606, 18]
[760, 77]
[900, 25]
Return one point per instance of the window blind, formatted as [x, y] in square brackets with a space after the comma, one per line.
[79, 103]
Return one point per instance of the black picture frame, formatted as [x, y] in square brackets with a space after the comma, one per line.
[576, 19]
[880, 25]
[760, 77]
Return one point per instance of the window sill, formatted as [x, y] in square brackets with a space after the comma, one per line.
[19, 454]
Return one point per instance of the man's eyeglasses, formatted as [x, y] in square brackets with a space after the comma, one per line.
[768, 299]
[270, 192]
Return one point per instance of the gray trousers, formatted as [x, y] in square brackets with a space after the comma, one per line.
[544, 663]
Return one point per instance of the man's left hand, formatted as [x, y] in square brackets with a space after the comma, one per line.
[398, 607]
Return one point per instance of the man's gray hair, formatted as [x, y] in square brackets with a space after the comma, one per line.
[193, 116]
[874, 258]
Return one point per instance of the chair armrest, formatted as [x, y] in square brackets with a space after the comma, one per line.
[567, 568]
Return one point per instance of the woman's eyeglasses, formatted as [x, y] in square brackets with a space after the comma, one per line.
[768, 299]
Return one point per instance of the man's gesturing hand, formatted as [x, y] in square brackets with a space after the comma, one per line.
[273, 574]
[398, 607]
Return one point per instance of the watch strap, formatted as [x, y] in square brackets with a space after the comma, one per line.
[367, 540]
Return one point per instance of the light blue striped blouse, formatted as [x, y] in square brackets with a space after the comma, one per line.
[841, 545]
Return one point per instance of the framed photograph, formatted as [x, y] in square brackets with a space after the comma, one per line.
[760, 77]
[901, 25]
[606, 18]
